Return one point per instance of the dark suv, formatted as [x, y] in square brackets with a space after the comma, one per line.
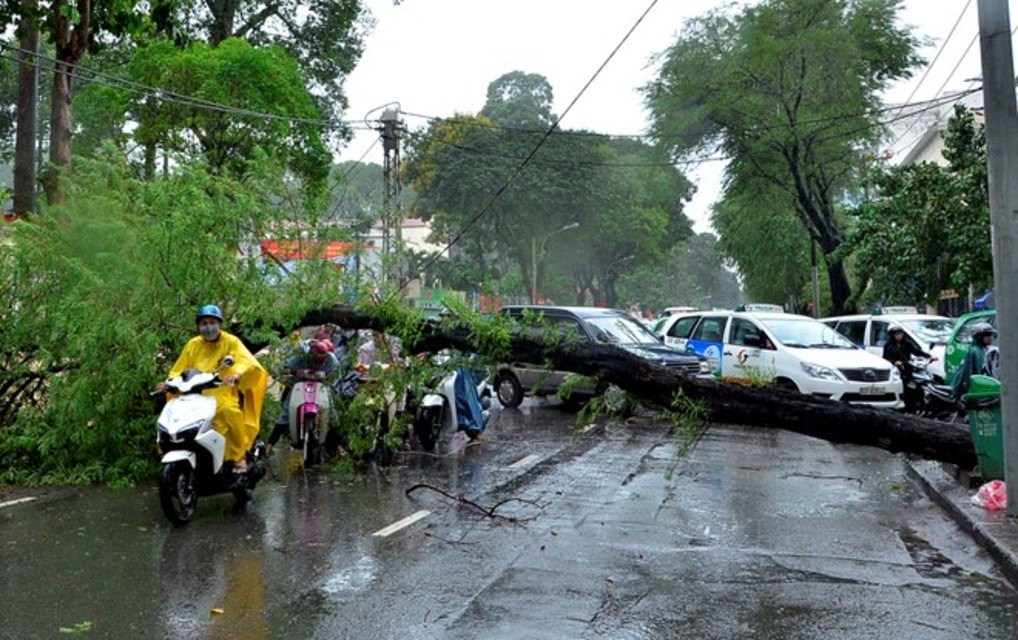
[588, 324]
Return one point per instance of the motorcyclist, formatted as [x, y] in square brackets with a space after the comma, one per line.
[899, 350]
[239, 399]
[983, 334]
[314, 355]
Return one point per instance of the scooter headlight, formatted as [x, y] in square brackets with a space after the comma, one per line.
[189, 432]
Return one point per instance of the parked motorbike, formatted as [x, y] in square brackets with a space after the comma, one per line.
[916, 379]
[446, 407]
[309, 412]
[391, 402]
[939, 405]
[193, 452]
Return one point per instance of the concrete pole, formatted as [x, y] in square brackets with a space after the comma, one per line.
[1002, 156]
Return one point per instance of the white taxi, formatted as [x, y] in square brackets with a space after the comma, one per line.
[929, 332]
[763, 344]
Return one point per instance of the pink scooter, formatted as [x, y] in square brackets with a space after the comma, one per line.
[309, 409]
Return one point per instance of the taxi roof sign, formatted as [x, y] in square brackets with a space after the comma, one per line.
[761, 308]
[889, 311]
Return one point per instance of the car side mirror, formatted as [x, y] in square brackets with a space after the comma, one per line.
[753, 340]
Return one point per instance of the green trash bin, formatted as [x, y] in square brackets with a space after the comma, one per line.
[982, 403]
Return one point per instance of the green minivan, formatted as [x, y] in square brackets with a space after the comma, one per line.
[961, 339]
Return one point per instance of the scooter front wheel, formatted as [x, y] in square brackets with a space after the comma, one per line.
[429, 425]
[177, 494]
[311, 449]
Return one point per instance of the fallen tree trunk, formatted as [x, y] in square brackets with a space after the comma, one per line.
[728, 403]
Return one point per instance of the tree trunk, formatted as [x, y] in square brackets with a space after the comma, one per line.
[28, 107]
[224, 13]
[763, 407]
[841, 290]
[71, 41]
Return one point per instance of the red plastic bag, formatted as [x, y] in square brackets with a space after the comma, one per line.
[992, 496]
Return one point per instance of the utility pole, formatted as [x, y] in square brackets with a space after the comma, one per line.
[1002, 168]
[392, 219]
[27, 114]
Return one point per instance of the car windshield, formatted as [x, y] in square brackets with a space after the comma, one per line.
[620, 330]
[931, 330]
[803, 333]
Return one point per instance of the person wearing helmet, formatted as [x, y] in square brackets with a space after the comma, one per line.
[983, 334]
[239, 399]
[898, 350]
[314, 355]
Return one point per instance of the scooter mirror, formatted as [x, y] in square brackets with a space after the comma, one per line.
[228, 361]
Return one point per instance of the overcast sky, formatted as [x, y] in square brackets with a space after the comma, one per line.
[437, 57]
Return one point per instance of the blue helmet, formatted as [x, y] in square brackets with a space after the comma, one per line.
[208, 311]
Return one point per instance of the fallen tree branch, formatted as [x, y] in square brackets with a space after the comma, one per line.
[727, 403]
[489, 512]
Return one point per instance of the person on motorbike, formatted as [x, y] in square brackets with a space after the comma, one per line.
[899, 350]
[239, 399]
[983, 334]
[314, 355]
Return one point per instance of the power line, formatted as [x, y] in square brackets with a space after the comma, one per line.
[940, 50]
[947, 80]
[553, 162]
[567, 132]
[164, 95]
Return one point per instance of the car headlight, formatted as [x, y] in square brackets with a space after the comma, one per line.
[704, 366]
[895, 374]
[821, 373]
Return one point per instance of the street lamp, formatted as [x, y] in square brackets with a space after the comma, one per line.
[533, 258]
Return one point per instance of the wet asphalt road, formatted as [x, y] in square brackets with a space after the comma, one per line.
[758, 534]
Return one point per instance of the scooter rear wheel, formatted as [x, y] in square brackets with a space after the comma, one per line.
[428, 426]
[177, 494]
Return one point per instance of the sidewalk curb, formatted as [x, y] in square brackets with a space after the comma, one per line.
[992, 530]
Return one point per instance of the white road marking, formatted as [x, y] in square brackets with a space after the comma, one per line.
[11, 503]
[522, 462]
[405, 522]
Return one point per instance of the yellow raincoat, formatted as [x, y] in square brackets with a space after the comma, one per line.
[238, 421]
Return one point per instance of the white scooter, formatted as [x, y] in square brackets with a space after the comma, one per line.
[437, 410]
[193, 451]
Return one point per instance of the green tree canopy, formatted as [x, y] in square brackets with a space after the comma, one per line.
[324, 36]
[225, 138]
[626, 197]
[786, 89]
[926, 228]
[99, 296]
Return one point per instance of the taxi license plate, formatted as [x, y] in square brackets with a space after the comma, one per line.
[872, 391]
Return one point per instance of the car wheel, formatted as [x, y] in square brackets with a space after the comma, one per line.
[785, 383]
[508, 390]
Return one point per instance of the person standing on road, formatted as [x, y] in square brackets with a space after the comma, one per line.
[975, 360]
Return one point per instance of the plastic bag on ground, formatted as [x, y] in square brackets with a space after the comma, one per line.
[992, 496]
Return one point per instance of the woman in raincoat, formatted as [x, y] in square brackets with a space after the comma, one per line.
[239, 399]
